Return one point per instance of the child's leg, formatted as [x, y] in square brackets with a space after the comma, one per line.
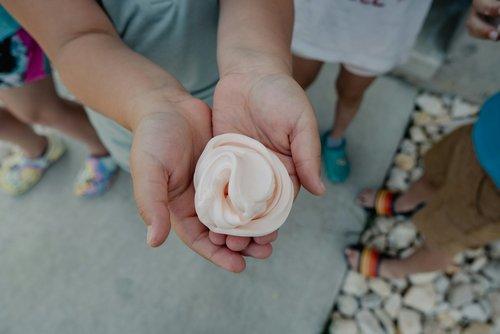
[425, 259]
[419, 192]
[350, 91]
[38, 103]
[16, 132]
[305, 70]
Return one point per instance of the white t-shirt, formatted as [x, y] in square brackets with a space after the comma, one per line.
[372, 34]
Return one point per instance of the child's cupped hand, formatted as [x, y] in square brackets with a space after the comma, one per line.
[167, 143]
[271, 107]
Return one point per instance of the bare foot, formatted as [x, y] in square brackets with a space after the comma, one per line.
[406, 202]
[37, 149]
[352, 256]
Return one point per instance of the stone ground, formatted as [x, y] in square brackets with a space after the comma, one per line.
[76, 266]
[466, 301]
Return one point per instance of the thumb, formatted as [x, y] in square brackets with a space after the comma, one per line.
[306, 154]
[150, 183]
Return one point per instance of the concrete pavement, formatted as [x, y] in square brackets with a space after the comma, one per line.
[82, 266]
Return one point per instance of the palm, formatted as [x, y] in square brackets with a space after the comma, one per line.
[274, 110]
[165, 150]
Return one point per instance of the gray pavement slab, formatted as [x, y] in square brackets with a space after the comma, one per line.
[69, 265]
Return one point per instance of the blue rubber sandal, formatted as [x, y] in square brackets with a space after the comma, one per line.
[335, 159]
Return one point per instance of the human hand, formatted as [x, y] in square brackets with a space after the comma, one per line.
[484, 19]
[167, 143]
[273, 109]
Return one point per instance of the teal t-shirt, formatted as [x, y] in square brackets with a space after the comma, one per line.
[178, 35]
[486, 138]
[8, 25]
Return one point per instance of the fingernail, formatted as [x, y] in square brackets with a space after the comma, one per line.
[493, 35]
[148, 236]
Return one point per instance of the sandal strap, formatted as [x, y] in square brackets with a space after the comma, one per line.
[369, 262]
[384, 203]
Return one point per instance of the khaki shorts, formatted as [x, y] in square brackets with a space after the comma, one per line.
[465, 211]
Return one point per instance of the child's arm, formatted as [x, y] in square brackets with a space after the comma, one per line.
[256, 94]
[93, 62]
[170, 127]
[255, 34]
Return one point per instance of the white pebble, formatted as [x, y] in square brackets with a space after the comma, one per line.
[384, 224]
[387, 323]
[441, 284]
[494, 299]
[405, 162]
[393, 305]
[492, 271]
[460, 295]
[417, 134]
[449, 318]
[371, 301]
[343, 326]
[398, 179]
[494, 250]
[355, 284]
[421, 118]
[431, 104]
[479, 328]
[408, 147]
[409, 322]
[402, 235]
[380, 287]
[474, 312]
[460, 108]
[421, 297]
[423, 278]
[368, 323]
[347, 305]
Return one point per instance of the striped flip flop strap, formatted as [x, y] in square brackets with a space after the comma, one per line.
[369, 262]
[384, 203]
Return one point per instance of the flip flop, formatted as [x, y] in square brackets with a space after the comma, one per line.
[384, 205]
[369, 260]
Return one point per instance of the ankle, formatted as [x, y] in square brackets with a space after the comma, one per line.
[390, 270]
[98, 152]
[334, 142]
[39, 148]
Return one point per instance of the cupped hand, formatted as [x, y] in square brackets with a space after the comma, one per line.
[482, 17]
[273, 109]
[166, 145]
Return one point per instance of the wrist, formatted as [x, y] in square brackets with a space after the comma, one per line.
[256, 62]
[160, 100]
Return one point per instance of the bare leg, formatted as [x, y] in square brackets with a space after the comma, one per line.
[38, 103]
[419, 192]
[350, 91]
[425, 259]
[305, 70]
[16, 132]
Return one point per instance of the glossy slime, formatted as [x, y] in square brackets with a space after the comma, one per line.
[242, 188]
